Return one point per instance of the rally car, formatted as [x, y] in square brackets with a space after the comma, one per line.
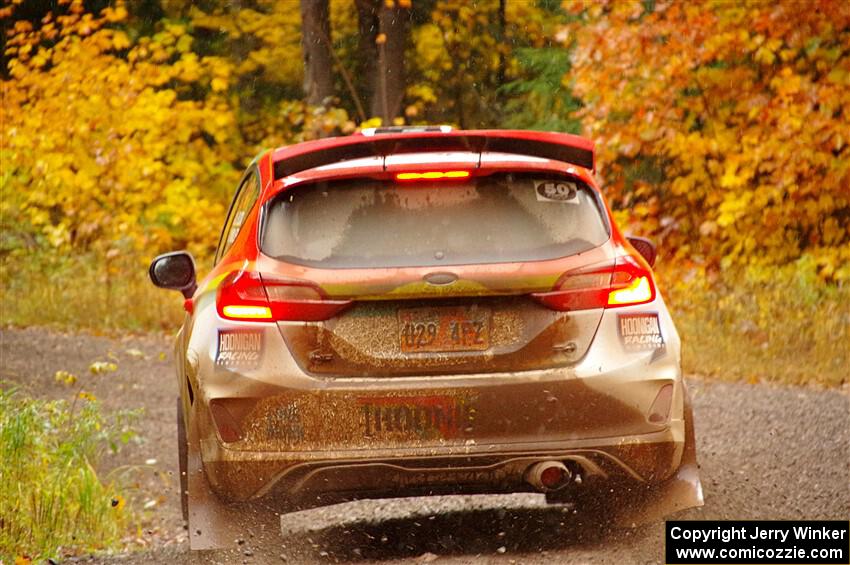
[416, 311]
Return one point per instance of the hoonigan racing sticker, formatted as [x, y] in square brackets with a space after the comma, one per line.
[640, 332]
[239, 348]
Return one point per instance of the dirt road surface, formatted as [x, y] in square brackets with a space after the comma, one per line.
[766, 452]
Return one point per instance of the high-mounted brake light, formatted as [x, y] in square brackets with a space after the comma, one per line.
[625, 283]
[433, 175]
[249, 297]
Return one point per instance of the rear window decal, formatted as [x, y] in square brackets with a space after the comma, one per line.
[640, 332]
[556, 191]
[239, 348]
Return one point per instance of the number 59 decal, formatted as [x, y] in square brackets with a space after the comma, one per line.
[556, 191]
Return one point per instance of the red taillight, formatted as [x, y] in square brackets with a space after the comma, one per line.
[625, 283]
[432, 175]
[247, 296]
[631, 283]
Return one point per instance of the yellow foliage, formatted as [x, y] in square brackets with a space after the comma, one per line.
[266, 37]
[779, 323]
[105, 153]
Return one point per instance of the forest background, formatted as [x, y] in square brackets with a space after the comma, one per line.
[722, 133]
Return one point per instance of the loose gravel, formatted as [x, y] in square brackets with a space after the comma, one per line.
[765, 451]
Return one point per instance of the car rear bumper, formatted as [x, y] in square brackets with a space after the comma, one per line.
[302, 480]
[316, 446]
[273, 430]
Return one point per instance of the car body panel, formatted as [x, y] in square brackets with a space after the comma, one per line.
[290, 416]
[296, 414]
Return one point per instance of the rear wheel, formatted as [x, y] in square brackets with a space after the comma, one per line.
[183, 460]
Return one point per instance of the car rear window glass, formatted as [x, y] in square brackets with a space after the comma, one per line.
[377, 223]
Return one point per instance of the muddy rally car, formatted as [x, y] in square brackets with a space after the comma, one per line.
[423, 311]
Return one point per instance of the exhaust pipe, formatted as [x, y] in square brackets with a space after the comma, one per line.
[548, 476]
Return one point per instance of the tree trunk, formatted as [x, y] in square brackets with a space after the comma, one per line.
[500, 76]
[315, 43]
[389, 84]
[367, 51]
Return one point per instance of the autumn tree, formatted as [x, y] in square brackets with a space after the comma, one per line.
[365, 57]
[388, 77]
[261, 41]
[722, 127]
[104, 148]
[464, 52]
[440, 61]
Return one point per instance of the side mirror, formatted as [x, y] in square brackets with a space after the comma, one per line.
[645, 247]
[176, 271]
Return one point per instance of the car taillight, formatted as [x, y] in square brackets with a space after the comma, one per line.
[626, 282]
[248, 296]
[432, 175]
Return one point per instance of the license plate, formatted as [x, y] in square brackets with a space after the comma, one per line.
[462, 328]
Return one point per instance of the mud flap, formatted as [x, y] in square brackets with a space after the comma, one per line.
[213, 523]
[681, 491]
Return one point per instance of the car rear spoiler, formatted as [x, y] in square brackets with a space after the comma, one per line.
[547, 145]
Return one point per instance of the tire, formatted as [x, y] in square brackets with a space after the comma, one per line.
[183, 461]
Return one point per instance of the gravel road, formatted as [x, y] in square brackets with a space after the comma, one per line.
[766, 452]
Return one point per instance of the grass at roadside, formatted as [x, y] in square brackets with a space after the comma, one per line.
[85, 293]
[781, 326]
[52, 500]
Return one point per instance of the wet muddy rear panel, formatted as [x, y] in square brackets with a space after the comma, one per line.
[396, 338]
[499, 414]
[434, 341]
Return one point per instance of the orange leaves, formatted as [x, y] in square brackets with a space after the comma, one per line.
[745, 108]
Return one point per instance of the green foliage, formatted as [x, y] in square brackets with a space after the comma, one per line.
[461, 55]
[50, 494]
[538, 99]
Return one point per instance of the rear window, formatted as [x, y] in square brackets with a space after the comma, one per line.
[375, 223]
